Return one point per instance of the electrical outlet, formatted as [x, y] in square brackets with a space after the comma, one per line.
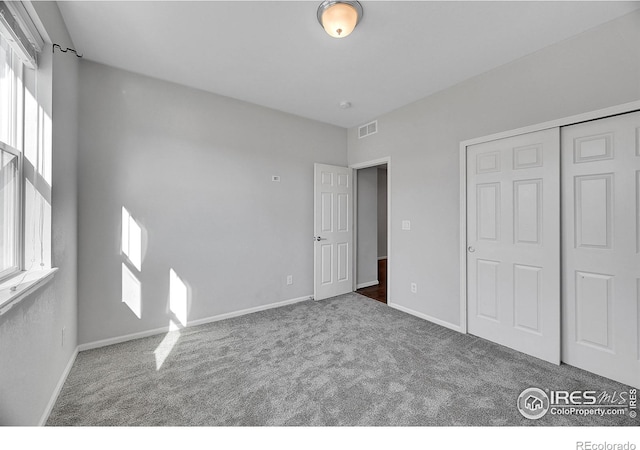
[406, 225]
[289, 279]
[63, 332]
[414, 288]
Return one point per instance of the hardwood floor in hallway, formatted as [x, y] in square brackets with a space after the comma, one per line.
[379, 291]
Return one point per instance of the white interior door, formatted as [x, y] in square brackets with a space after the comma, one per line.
[513, 238]
[601, 247]
[333, 231]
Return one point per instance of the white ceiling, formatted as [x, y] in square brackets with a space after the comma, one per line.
[276, 54]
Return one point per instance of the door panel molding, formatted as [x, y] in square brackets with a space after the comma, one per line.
[569, 120]
[513, 274]
[333, 233]
[601, 264]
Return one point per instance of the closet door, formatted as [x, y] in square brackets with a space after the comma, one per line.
[513, 238]
[601, 247]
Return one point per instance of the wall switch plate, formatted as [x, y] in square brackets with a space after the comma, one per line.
[275, 178]
[414, 288]
[406, 224]
[289, 279]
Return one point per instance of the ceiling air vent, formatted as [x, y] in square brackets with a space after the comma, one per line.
[368, 129]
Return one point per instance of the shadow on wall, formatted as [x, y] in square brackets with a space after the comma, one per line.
[134, 242]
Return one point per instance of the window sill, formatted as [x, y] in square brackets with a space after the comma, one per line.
[32, 281]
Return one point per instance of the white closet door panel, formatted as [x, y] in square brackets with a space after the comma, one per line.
[601, 247]
[513, 233]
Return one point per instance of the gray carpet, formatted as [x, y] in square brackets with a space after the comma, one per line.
[348, 360]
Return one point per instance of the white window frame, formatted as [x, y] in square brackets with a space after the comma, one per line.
[16, 137]
[18, 242]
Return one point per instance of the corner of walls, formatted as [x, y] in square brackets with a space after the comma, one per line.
[189, 173]
[423, 139]
[34, 356]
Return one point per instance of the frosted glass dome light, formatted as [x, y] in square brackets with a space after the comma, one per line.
[339, 18]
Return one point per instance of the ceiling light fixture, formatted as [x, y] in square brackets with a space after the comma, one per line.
[339, 18]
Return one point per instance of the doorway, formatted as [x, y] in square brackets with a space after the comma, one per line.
[372, 199]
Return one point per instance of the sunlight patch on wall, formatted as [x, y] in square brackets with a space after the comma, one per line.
[31, 122]
[131, 239]
[131, 291]
[37, 137]
[178, 298]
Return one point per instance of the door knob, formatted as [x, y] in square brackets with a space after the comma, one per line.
[471, 249]
[318, 238]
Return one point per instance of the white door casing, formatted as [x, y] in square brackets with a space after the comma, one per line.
[601, 247]
[333, 231]
[513, 231]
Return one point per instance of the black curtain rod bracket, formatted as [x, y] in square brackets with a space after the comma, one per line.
[65, 50]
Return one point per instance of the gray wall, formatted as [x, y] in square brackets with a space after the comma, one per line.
[194, 170]
[382, 213]
[32, 358]
[367, 254]
[596, 69]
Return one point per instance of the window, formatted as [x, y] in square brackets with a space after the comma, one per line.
[26, 152]
[11, 136]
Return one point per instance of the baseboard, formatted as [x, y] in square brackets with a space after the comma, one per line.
[124, 338]
[435, 320]
[367, 284]
[56, 391]
[242, 312]
[155, 331]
